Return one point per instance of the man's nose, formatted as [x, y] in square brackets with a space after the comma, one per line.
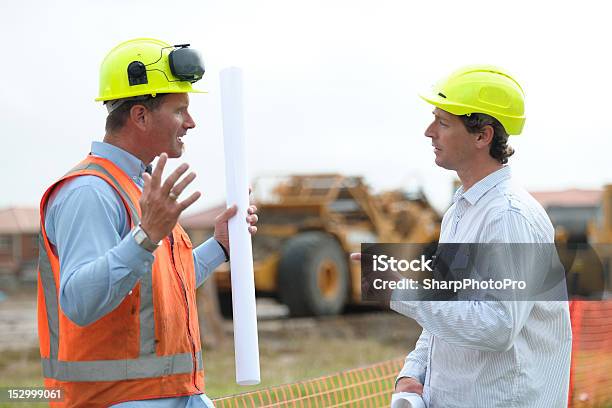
[429, 131]
[189, 122]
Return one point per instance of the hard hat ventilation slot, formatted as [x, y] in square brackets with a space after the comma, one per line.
[442, 95]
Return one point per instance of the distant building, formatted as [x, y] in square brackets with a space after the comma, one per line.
[571, 209]
[19, 227]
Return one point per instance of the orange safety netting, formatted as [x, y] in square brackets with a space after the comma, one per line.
[361, 387]
[591, 374]
[371, 386]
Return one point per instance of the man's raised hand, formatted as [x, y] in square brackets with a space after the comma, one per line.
[159, 201]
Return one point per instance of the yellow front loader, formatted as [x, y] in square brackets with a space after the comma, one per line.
[307, 230]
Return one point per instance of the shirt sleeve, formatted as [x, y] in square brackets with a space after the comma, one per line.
[98, 266]
[490, 325]
[415, 364]
[206, 258]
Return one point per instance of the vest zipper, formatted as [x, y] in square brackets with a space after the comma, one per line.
[193, 352]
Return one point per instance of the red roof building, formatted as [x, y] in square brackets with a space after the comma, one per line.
[568, 198]
[19, 227]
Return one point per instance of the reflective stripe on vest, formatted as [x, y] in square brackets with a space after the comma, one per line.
[50, 290]
[148, 365]
[117, 370]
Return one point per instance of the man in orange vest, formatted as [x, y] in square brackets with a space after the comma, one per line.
[117, 312]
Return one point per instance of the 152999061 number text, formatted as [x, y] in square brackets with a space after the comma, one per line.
[9, 394]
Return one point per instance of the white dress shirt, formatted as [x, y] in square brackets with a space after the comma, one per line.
[492, 353]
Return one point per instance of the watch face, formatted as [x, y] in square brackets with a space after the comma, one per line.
[143, 240]
[139, 235]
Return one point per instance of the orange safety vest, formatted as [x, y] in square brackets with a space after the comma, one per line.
[147, 347]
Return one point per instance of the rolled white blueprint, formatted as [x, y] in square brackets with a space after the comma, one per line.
[241, 252]
[407, 400]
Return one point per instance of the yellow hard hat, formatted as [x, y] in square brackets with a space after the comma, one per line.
[145, 66]
[482, 89]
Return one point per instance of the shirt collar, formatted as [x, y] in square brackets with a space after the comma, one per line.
[126, 161]
[480, 188]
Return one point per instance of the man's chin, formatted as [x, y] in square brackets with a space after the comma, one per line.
[440, 163]
[177, 152]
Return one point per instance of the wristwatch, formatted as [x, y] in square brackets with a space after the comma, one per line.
[143, 240]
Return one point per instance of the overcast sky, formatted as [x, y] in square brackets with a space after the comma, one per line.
[329, 85]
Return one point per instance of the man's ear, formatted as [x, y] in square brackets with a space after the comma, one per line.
[139, 116]
[485, 137]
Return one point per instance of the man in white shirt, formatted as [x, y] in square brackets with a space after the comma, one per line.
[486, 353]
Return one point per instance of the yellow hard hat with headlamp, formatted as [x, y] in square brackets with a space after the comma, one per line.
[145, 66]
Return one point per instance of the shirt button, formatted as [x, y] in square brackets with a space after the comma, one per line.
[130, 292]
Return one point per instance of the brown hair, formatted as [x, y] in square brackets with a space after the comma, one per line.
[500, 150]
[117, 118]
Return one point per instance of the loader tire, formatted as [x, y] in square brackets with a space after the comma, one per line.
[313, 277]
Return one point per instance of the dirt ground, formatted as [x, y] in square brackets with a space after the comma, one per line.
[290, 349]
[18, 321]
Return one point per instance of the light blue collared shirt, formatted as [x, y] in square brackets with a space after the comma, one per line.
[492, 353]
[100, 262]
